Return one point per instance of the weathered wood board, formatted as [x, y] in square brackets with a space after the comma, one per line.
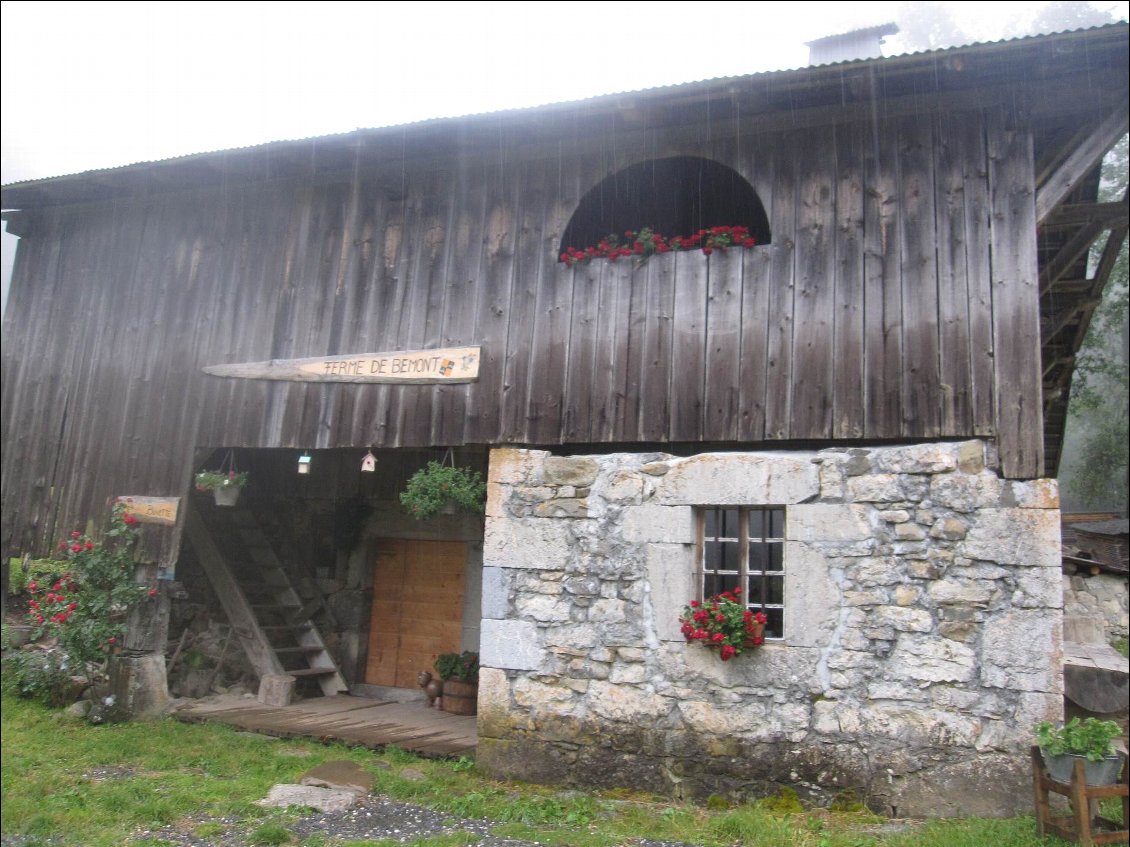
[351, 720]
[161, 511]
[448, 364]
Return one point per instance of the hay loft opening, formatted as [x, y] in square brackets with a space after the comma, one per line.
[678, 195]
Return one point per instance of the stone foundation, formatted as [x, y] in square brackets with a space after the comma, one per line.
[1098, 606]
[923, 608]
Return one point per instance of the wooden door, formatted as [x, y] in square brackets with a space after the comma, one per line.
[417, 608]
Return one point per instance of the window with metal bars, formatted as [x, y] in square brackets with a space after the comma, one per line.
[743, 547]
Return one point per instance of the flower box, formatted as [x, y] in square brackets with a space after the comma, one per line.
[460, 698]
[1103, 772]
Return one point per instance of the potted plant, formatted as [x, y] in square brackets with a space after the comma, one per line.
[723, 622]
[437, 486]
[1091, 740]
[225, 486]
[460, 675]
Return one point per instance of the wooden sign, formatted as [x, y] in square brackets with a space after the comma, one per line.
[412, 367]
[155, 510]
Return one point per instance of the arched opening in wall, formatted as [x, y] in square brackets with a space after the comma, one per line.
[678, 195]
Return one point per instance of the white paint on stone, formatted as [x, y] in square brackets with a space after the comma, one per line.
[511, 645]
[915, 459]
[1025, 537]
[670, 574]
[650, 523]
[828, 522]
[1015, 650]
[875, 488]
[739, 479]
[965, 492]
[624, 703]
[527, 543]
[935, 660]
[812, 597]
[544, 608]
[514, 466]
[496, 594]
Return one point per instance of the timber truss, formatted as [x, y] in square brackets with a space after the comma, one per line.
[1071, 224]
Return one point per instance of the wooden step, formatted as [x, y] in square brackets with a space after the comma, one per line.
[311, 672]
[300, 650]
[287, 627]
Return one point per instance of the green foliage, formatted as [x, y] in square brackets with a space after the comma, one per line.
[271, 833]
[1091, 738]
[723, 622]
[462, 667]
[21, 572]
[1100, 388]
[85, 607]
[40, 675]
[105, 784]
[784, 802]
[1122, 645]
[430, 488]
[211, 480]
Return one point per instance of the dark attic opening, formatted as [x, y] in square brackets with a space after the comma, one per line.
[674, 196]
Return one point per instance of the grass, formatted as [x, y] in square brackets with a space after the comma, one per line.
[1122, 645]
[67, 783]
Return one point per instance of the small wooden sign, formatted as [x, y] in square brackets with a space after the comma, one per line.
[155, 510]
[412, 367]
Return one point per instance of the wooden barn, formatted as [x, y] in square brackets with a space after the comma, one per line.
[853, 412]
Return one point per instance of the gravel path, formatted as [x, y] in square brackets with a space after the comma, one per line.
[373, 818]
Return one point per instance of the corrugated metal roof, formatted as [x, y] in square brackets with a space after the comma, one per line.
[655, 92]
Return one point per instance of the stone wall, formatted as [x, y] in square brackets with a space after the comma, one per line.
[1098, 607]
[922, 628]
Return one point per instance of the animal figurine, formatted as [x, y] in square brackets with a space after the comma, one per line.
[432, 687]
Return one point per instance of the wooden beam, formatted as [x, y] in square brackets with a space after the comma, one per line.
[1082, 159]
[1076, 247]
[406, 367]
[236, 607]
[1102, 274]
[1074, 214]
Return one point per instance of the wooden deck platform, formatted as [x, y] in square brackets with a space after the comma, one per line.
[351, 720]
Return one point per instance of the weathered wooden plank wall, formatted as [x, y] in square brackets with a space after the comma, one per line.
[871, 315]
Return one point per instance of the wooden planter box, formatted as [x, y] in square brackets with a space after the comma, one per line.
[460, 698]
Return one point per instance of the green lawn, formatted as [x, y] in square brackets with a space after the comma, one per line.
[67, 783]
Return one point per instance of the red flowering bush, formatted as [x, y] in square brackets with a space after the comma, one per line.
[85, 608]
[647, 242]
[723, 622]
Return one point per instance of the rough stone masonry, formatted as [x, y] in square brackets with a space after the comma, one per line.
[923, 617]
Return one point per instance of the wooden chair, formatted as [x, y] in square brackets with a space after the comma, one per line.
[1083, 825]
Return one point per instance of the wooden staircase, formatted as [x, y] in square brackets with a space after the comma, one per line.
[272, 621]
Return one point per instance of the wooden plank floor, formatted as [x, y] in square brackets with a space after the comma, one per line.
[351, 720]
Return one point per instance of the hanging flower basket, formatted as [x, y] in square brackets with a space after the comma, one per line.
[226, 495]
[224, 485]
[440, 488]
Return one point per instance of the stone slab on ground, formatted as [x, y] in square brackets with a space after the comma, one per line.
[322, 799]
[340, 775]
